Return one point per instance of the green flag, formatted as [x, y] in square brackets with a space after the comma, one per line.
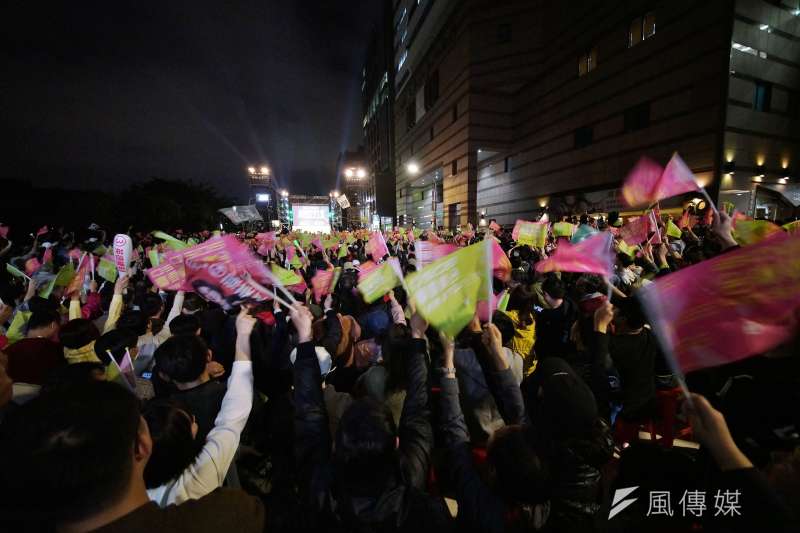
[100, 250]
[380, 281]
[172, 242]
[673, 230]
[107, 269]
[14, 271]
[286, 277]
[563, 229]
[752, 231]
[503, 303]
[16, 331]
[65, 275]
[792, 227]
[295, 262]
[155, 260]
[625, 248]
[47, 289]
[342, 251]
[446, 292]
[728, 207]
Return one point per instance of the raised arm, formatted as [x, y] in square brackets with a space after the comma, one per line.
[311, 433]
[115, 308]
[416, 433]
[503, 385]
[477, 505]
[208, 471]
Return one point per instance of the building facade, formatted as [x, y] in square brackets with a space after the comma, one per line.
[264, 193]
[507, 110]
[377, 94]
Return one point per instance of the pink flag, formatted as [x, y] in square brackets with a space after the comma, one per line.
[656, 239]
[410, 236]
[365, 268]
[4, 231]
[42, 231]
[318, 243]
[494, 226]
[501, 265]
[486, 308]
[592, 255]
[641, 181]
[647, 183]
[730, 307]
[377, 246]
[321, 283]
[47, 256]
[298, 288]
[635, 231]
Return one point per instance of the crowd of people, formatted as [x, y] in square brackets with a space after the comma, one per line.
[129, 408]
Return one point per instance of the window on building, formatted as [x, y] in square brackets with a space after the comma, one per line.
[455, 112]
[506, 164]
[411, 115]
[587, 62]
[641, 28]
[438, 191]
[584, 136]
[430, 134]
[454, 167]
[762, 97]
[637, 117]
[503, 33]
[431, 89]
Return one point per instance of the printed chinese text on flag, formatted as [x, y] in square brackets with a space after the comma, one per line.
[380, 280]
[446, 292]
[730, 307]
[593, 255]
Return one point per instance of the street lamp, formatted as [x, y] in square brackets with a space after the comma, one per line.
[265, 171]
[284, 193]
[349, 173]
[361, 173]
[412, 168]
[251, 170]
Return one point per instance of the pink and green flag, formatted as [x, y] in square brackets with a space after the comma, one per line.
[107, 269]
[531, 233]
[379, 281]
[563, 229]
[447, 291]
[647, 183]
[748, 232]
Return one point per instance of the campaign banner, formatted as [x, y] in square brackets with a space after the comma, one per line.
[239, 214]
[735, 305]
[343, 202]
[222, 283]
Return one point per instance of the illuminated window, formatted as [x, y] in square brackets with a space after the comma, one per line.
[587, 62]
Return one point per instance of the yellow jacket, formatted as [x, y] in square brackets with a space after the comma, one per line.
[523, 341]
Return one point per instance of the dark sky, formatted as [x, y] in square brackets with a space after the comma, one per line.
[107, 94]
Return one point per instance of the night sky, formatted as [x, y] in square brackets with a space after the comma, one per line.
[102, 95]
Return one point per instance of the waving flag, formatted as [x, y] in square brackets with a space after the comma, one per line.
[501, 264]
[494, 226]
[647, 183]
[530, 233]
[380, 280]
[730, 307]
[673, 230]
[563, 229]
[286, 277]
[376, 246]
[635, 231]
[593, 255]
[4, 231]
[656, 238]
[748, 232]
[321, 283]
[172, 242]
[792, 227]
[447, 291]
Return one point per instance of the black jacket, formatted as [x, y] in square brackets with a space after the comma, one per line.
[402, 506]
